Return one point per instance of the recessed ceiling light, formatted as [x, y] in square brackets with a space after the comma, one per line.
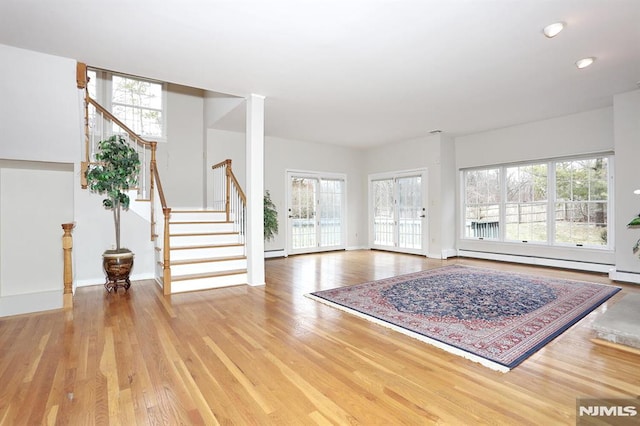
[553, 30]
[636, 191]
[585, 62]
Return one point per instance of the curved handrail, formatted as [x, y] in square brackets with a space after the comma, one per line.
[228, 189]
[238, 188]
[156, 177]
[120, 124]
[224, 163]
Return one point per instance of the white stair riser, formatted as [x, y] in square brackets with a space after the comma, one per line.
[198, 216]
[198, 240]
[204, 253]
[208, 283]
[206, 267]
[200, 227]
[141, 207]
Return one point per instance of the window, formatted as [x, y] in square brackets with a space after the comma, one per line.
[482, 203]
[559, 202]
[137, 102]
[581, 202]
[526, 203]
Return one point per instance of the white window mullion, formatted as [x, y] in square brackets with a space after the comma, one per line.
[610, 203]
[106, 91]
[551, 200]
[502, 226]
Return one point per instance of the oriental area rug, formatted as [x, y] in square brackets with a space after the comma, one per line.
[495, 318]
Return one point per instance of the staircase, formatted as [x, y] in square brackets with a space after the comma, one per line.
[194, 249]
[205, 251]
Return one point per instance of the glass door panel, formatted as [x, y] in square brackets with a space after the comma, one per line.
[302, 212]
[410, 212]
[330, 206]
[383, 213]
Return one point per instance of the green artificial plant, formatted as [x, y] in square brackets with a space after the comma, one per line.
[114, 172]
[270, 218]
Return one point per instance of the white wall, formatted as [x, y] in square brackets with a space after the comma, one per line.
[36, 198]
[180, 159]
[40, 118]
[223, 145]
[40, 125]
[627, 163]
[448, 196]
[584, 133]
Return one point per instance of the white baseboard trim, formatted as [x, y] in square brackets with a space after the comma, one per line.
[629, 277]
[29, 303]
[447, 253]
[101, 280]
[444, 254]
[530, 260]
[283, 253]
[274, 253]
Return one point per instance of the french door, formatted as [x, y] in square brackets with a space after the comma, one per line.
[398, 212]
[316, 212]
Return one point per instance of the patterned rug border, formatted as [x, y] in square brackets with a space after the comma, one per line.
[497, 366]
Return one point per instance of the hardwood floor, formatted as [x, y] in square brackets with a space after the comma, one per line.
[268, 355]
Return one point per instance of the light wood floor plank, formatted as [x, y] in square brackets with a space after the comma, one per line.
[269, 355]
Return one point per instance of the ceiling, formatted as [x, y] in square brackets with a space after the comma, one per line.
[356, 72]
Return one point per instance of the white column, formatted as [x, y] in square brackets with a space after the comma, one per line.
[255, 190]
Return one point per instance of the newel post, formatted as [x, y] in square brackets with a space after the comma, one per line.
[82, 81]
[67, 246]
[227, 190]
[166, 262]
[152, 185]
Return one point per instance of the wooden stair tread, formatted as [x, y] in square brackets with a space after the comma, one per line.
[208, 275]
[206, 260]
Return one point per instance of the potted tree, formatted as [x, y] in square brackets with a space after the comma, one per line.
[113, 174]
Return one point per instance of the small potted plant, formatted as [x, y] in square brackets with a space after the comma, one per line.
[270, 218]
[113, 174]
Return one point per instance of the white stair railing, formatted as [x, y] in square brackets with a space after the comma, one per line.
[229, 197]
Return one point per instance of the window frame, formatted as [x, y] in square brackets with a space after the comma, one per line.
[551, 202]
[104, 96]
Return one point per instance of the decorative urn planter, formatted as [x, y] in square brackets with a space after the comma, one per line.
[117, 267]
